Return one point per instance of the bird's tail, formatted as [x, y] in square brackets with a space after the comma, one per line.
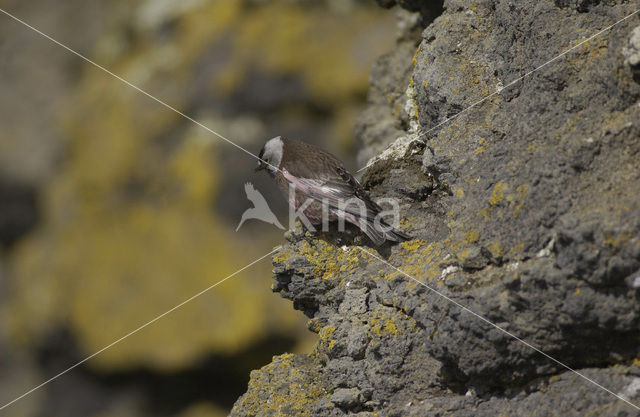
[383, 232]
[396, 235]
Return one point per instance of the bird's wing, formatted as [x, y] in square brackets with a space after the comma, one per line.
[337, 192]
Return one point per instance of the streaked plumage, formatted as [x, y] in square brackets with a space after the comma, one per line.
[320, 176]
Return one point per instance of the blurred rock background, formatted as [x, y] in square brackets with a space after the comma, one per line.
[113, 209]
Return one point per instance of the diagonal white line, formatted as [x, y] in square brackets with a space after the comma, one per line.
[138, 329]
[448, 119]
[78, 54]
[500, 328]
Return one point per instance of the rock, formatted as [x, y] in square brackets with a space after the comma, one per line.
[474, 257]
[632, 51]
[346, 397]
[529, 223]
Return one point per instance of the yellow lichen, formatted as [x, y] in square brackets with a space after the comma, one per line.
[281, 257]
[412, 245]
[521, 193]
[482, 146]
[486, 212]
[329, 261]
[414, 60]
[496, 249]
[471, 236]
[383, 323]
[516, 250]
[303, 389]
[617, 241]
[498, 193]
[464, 253]
[325, 335]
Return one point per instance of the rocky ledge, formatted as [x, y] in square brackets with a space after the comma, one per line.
[525, 211]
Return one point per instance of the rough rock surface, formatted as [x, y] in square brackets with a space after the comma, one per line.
[525, 210]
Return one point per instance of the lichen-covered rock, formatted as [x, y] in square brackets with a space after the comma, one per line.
[523, 209]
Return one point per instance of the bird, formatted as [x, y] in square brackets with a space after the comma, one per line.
[260, 209]
[320, 179]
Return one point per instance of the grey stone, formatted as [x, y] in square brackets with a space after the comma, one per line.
[346, 397]
[632, 51]
[531, 222]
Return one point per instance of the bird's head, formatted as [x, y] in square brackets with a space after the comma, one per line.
[271, 155]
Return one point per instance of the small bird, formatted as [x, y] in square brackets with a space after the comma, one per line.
[260, 209]
[319, 177]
